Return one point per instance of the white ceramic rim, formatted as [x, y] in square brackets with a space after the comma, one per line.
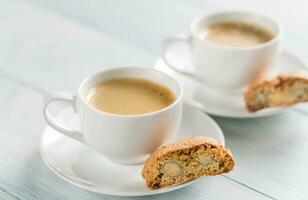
[277, 38]
[178, 98]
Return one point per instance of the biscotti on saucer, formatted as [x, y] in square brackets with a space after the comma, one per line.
[282, 90]
[185, 160]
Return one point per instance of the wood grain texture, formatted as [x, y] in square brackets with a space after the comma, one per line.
[53, 45]
[272, 153]
[57, 53]
[146, 23]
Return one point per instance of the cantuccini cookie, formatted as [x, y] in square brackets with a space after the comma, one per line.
[185, 160]
[282, 90]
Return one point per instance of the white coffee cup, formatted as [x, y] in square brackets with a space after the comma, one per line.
[227, 68]
[126, 139]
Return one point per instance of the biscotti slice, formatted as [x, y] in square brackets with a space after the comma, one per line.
[282, 90]
[185, 160]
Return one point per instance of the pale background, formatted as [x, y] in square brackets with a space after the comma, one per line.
[48, 45]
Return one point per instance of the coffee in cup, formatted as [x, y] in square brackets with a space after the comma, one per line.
[236, 34]
[130, 96]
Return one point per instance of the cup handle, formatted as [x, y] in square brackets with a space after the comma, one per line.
[70, 99]
[169, 41]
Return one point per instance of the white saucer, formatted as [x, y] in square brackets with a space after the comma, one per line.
[83, 167]
[214, 102]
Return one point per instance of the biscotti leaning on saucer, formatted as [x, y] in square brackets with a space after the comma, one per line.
[281, 90]
[185, 160]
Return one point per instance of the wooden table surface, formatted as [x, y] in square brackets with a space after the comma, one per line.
[52, 45]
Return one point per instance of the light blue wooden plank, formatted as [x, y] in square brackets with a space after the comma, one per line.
[23, 173]
[216, 190]
[55, 53]
[146, 23]
[6, 196]
[271, 153]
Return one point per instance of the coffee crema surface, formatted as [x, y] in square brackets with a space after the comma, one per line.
[237, 34]
[130, 96]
